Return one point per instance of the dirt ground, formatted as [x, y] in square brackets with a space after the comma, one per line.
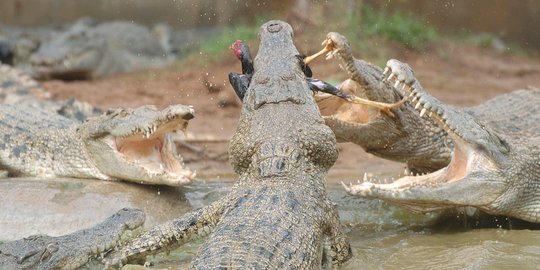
[456, 73]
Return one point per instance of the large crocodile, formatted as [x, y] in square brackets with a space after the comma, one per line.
[495, 164]
[86, 51]
[278, 214]
[407, 137]
[69, 251]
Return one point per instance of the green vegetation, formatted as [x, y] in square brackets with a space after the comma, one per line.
[402, 27]
[399, 26]
[212, 50]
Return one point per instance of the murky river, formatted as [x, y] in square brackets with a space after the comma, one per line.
[385, 237]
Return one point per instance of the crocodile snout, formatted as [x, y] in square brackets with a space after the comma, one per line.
[274, 27]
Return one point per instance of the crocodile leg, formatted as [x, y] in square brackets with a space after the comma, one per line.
[340, 249]
[170, 235]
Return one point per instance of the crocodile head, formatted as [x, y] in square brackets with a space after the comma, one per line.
[402, 137]
[137, 144]
[75, 54]
[484, 172]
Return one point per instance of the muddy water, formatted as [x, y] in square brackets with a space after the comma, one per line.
[385, 237]
[382, 236]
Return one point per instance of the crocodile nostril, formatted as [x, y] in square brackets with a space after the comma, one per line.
[274, 27]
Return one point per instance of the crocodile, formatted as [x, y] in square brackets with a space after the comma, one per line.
[85, 51]
[278, 214]
[16, 86]
[405, 137]
[69, 251]
[495, 163]
[128, 144]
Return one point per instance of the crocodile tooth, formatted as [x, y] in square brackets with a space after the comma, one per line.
[345, 186]
[440, 112]
[430, 114]
[330, 55]
[396, 84]
[409, 88]
[161, 167]
[403, 86]
[422, 112]
[386, 70]
[406, 172]
[415, 99]
[365, 177]
[392, 75]
[417, 106]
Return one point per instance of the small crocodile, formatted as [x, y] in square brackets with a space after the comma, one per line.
[87, 51]
[69, 251]
[278, 214]
[495, 163]
[406, 137]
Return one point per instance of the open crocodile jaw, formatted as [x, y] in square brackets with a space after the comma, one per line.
[456, 184]
[150, 155]
[155, 153]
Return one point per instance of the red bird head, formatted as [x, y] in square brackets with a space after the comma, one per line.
[236, 47]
